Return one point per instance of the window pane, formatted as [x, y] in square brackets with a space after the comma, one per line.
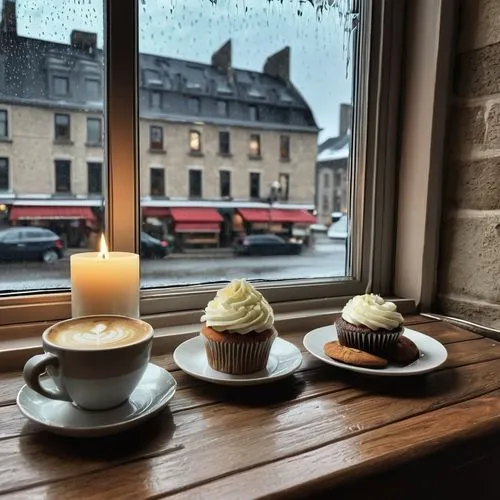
[93, 89]
[94, 131]
[157, 187]
[194, 105]
[257, 105]
[194, 141]
[222, 108]
[51, 111]
[94, 178]
[284, 147]
[62, 129]
[254, 145]
[254, 185]
[156, 100]
[4, 175]
[224, 145]
[63, 176]
[225, 183]
[4, 123]
[60, 85]
[195, 183]
[253, 113]
[156, 138]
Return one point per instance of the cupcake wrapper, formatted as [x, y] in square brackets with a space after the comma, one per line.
[375, 343]
[238, 358]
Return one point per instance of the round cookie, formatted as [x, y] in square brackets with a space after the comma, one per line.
[353, 356]
[406, 352]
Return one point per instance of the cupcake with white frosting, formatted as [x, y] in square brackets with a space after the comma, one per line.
[370, 324]
[239, 329]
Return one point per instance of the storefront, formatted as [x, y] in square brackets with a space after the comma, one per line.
[196, 226]
[73, 224]
[284, 222]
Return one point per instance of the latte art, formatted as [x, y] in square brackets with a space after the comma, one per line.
[98, 333]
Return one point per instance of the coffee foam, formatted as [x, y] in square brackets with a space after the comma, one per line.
[97, 333]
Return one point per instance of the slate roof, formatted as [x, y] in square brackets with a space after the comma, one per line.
[334, 148]
[189, 91]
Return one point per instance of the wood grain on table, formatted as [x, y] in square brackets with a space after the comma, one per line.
[320, 429]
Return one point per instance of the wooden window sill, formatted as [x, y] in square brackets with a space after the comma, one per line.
[18, 342]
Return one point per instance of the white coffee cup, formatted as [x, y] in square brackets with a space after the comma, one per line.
[94, 361]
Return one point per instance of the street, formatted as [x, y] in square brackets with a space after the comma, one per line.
[325, 259]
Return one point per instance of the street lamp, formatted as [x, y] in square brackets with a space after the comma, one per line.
[274, 193]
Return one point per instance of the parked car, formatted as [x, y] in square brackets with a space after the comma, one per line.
[338, 231]
[30, 243]
[153, 248]
[265, 244]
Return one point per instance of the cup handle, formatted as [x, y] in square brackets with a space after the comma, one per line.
[35, 367]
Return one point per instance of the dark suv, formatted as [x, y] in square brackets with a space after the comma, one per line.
[30, 243]
[265, 244]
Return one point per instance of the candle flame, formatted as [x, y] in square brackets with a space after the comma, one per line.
[103, 249]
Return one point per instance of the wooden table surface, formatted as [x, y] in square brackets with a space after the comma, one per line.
[321, 430]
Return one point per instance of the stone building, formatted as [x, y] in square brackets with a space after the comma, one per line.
[239, 144]
[332, 171]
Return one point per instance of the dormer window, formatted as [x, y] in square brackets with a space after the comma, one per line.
[92, 89]
[60, 85]
[152, 77]
[194, 105]
[253, 113]
[156, 100]
[222, 108]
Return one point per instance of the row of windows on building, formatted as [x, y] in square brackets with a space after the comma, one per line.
[93, 91]
[157, 188]
[62, 132]
[92, 87]
[195, 143]
[194, 106]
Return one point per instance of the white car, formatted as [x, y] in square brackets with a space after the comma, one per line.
[339, 231]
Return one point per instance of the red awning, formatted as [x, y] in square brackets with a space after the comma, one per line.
[155, 211]
[197, 227]
[51, 213]
[278, 215]
[196, 214]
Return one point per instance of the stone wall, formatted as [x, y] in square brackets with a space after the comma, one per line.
[469, 271]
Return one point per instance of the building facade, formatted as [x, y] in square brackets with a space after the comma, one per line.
[332, 171]
[213, 140]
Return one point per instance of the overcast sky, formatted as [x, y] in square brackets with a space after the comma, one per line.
[193, 29]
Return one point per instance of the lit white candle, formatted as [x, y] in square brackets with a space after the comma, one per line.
[105, 283]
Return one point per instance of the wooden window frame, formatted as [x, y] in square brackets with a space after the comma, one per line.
[378, 253]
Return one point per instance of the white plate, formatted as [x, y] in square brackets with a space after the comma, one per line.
[284, 359]
[432, 353]
[151, 395]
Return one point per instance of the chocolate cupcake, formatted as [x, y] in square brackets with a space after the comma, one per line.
[370, 324]
[238, 332]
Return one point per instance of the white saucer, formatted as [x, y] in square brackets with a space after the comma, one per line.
[432, 353]
[152, 394]
[284, 359]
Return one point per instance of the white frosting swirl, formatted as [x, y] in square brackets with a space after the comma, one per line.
[238, 308]
[372, 311]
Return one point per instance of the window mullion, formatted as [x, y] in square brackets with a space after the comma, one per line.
[123, 196]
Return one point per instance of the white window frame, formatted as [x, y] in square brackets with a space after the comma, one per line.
[373, 184]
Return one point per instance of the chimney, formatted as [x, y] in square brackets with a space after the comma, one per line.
[278, 65]
[345, 119]
[8, 24]
[83, 40]
[221, 58]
